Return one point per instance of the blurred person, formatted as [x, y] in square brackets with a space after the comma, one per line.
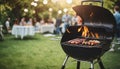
[42, 21]
[30, 22]
[74, 20]
[34, 21]
[117, 18]
[37, 25]
[79, 20]
[57, 25]
[16, 21]
[22, 22]
[1, 32]
[7, 24]
[66, 19]
[117, 34]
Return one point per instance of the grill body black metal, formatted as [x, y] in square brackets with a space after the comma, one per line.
[102, 22]
[84, 52]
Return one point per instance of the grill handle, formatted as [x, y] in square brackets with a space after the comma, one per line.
[100, 1]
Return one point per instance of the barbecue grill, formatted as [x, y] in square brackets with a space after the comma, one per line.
[100, 24]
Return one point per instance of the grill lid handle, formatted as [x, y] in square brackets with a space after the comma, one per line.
[100, 1]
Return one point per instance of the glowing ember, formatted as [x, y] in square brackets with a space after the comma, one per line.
[68, 31]
[79, 29]
[96, 35]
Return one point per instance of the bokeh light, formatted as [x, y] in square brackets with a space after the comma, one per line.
[69, 1]
[59, 11]
[45, 1]
[25, 10]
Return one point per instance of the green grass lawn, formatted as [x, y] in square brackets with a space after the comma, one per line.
[39, 52]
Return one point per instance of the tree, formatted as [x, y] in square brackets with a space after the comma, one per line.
[15, 8]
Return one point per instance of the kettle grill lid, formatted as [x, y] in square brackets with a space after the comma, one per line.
[95, 14]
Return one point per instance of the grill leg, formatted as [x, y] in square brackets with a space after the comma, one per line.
[63, 65]
[91, 65]
[78, 64]
[101, 64]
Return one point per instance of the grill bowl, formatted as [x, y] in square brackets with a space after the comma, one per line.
[83, 53]
[86, 52]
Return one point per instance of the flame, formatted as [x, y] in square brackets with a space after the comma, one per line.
[79, 29]
[96, 35]
[92, 34]
[86, 33]
[68, 31]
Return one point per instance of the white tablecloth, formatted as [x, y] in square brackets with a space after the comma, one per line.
[22, 31]
[47, 28]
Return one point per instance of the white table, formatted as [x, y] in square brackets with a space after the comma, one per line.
[22, 31]
[47, 28]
